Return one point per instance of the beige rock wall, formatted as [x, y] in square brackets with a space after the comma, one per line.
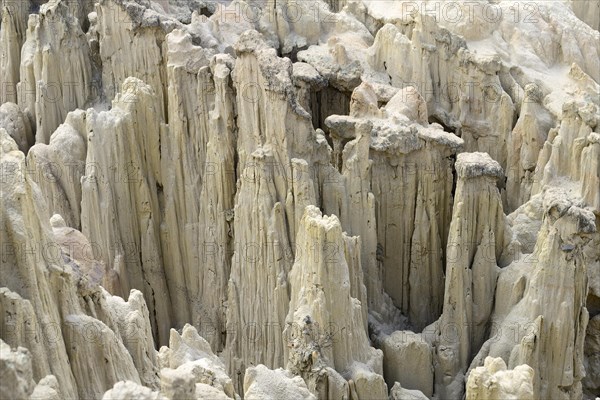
[410, 235]
[524, 145]
[552, 299]
[462, 89]
[57, 167]
[494, 381]
[24, 271]
[195, 188]
[119, 24]
[475, 244]
[324, 321]
[55, 69]
[273, 130]
[408, 361]
[198, 154]
[17, 125]
[12, 33]
[76, 331]
[120, 206]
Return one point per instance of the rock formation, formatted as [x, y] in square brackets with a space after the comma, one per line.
[475, 244]
[494, 381]
[334, 199]
[326, 328]
[55, 70]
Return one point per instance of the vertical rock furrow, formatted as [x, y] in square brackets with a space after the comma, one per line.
[475, 244]
[120, 189]
[55, 72]
[524, 145]
[121, 23]
[25, 269]
[58, 166]
[545, 329]
[325, 323]
[462, 89]
[13, 31]
[273, 129]
[217, 136]
[194, 226]
[410, 161]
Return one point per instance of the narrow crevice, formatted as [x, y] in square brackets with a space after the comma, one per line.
[434, 120]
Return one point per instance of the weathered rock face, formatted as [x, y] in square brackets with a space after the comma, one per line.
[57, 167]
[410, 236]
[26, 292]
[457, 84]
[524, 145]
[17, 375]
[16, 372]
[264, 210]
[559, 282]
[190, 360]
[57, 273]
[128, 390]
[55, 68]
[277, 196]
[475, 244]
[494, 381]
[124, 156]
[592, 357]
[408, 362]
[325, 321]
[263, 383]
[198, 154]
[586, 11]
[119, 23]
[399, 393]
[12, 35]
[17, 125]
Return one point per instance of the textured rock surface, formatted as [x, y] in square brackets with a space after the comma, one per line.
[56, 74]
[592, 357]
[407, 157]
[130, 390]
[123, 152]
[263, 383]
[324, 326]
[16, 372]
[475, 244]
[189, 353]
[408, 362]
[494, 381]
[13, 32]
[340, 199]
[17, 125]
[58, 166]
[399, 393]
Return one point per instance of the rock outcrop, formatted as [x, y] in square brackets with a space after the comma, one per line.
[408, 362]
[494, 381]
[54, 273]
[55, 69]
[263, 383]
[57, 167]
[123, 152]
[325, 327]
[334, 199]
[13, 32]
[408, 154]
[16, 125]
[555, 275]
[16, 372]
[475, 245]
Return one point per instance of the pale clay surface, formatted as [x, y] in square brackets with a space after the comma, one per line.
[325, 199]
